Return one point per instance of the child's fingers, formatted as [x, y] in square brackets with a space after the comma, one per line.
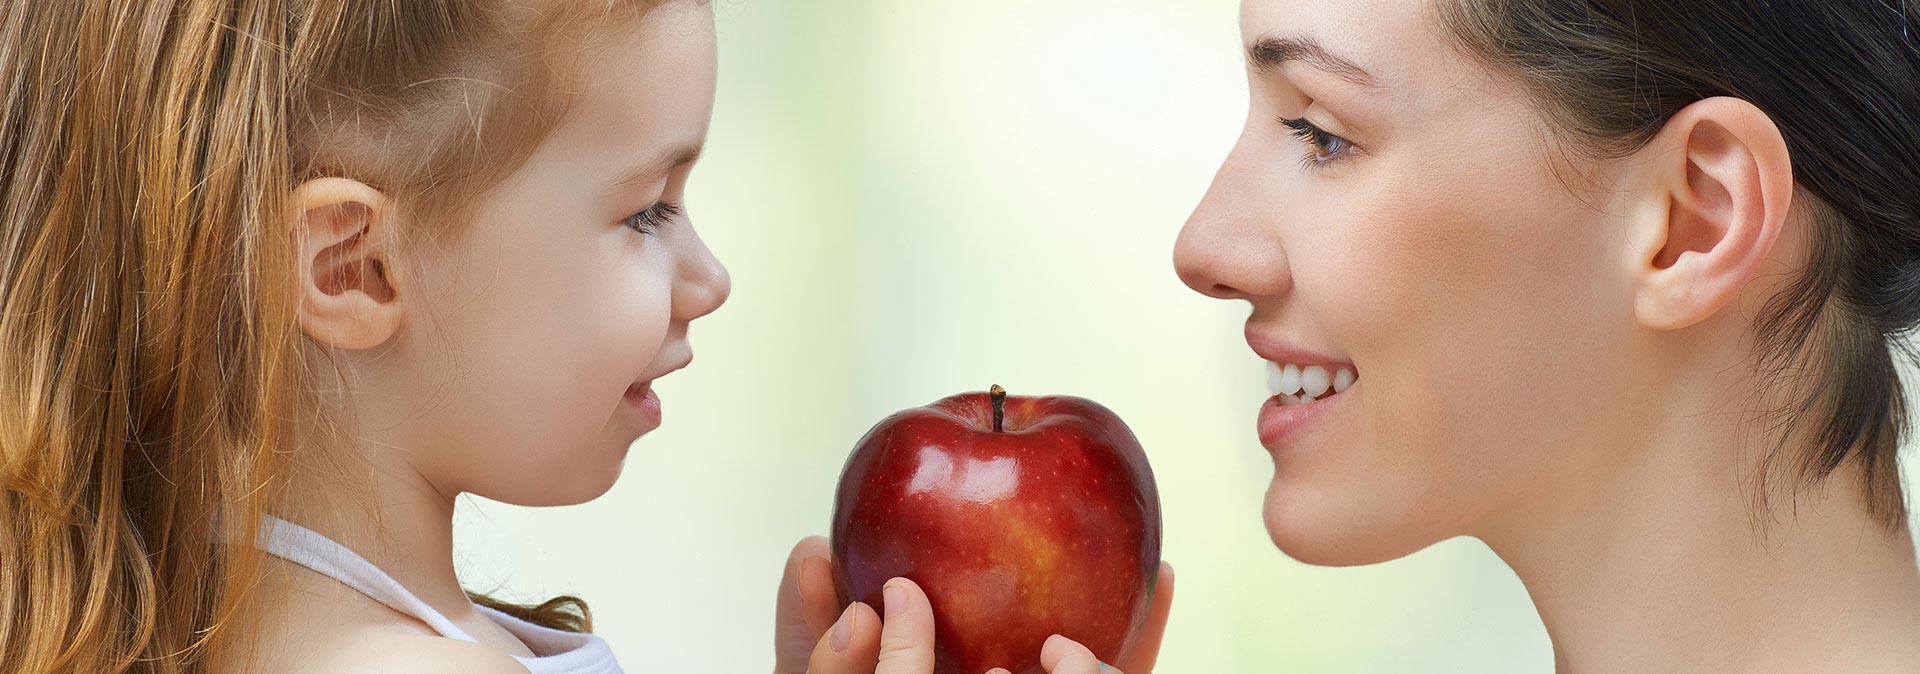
[821, 604]
[851, 645]
[1061, 655]
[804, 607]
[1146, 649]
[906, 634]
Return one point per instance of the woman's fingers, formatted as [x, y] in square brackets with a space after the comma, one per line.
[805, 606]
[1061, 655]
[1146, 649]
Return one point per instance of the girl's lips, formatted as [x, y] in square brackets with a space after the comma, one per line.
[641, 398]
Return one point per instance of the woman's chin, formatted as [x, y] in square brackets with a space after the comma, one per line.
[1328, 530]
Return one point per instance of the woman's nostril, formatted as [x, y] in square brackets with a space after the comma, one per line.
[1225, 292]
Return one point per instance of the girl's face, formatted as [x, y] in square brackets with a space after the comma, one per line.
[527, 371]
[1394, 209]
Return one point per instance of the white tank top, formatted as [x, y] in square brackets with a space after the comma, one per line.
[555, 651]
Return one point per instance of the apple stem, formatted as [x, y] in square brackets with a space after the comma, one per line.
[999, 397]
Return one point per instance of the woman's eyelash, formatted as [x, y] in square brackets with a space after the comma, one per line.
[652, 218]
[1325, 147]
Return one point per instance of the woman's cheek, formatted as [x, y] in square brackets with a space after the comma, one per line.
[1399, 288]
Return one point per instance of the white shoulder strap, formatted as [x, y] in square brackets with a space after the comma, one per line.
[308, 548]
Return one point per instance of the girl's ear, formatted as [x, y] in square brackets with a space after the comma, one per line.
[1721, 183]
[345, 279]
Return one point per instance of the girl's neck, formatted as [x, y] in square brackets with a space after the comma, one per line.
[390, 515]
[1667, 564]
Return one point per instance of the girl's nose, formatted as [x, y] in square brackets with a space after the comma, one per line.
[703, 284]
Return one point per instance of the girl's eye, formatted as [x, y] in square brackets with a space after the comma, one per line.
[1324, 147]
[650, 220]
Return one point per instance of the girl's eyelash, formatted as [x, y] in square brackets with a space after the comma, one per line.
[1324, 148]
[652, 218]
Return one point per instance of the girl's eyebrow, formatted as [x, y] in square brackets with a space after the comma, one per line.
[648, 171]
[1270, 52]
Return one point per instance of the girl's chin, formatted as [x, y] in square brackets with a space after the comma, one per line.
[576, 491]
[574, 487]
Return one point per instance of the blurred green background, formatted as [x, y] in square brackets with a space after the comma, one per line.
[923, 197]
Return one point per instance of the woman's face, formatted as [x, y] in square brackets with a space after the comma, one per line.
[552, 314]
[1432, 243]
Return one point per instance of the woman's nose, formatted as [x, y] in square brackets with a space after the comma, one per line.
[1230, 247]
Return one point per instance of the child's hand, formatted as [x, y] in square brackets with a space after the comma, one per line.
[808, 628]
[811, 637]
[1061, 655]
[806, 606]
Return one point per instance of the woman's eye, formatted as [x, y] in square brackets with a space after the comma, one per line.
[1325, 147]
[652, 218]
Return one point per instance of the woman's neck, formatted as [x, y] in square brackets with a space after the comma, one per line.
[1667, 563]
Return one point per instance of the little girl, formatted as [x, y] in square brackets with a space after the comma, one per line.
[279, 279]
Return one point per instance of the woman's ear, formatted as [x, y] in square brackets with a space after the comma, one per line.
[345, 279]
[1721, 182]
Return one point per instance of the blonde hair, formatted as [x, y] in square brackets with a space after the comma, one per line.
[148, 349]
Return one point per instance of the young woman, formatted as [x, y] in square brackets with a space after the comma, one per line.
[1611, 285]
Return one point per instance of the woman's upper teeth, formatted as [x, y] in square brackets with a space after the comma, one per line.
[1310, 381]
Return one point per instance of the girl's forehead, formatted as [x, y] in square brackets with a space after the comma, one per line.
[645, 87]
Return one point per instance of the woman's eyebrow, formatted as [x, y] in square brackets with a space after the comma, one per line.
[1270, 52]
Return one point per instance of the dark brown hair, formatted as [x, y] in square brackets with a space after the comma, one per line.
[1841, 80]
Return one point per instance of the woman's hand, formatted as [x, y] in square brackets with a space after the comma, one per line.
[812, 637]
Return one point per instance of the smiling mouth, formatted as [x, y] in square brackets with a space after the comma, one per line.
[1292, 384]
[639, 390]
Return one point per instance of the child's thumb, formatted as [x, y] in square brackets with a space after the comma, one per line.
[906, 635]
[860, 642]
[850, 646]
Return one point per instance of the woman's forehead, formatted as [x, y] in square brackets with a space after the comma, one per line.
[1388, 39]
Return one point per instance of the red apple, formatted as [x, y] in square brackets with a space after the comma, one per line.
[1020, 517]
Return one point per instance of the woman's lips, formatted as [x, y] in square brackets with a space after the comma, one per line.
[1279, 419]
[1284, 415]
[1302, 385]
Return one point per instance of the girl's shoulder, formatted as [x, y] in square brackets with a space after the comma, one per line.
[313, 625]
[372, 647]
[408, 653]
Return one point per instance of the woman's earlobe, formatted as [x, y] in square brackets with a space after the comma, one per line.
[349, 295]
[1723, 183]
